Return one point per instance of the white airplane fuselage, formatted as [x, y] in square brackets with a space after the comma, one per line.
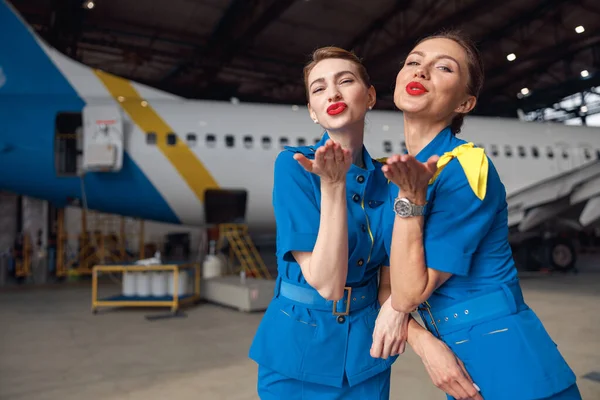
[165, 150]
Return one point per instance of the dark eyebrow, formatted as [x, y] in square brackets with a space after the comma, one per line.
[337, 75]
[438, 57]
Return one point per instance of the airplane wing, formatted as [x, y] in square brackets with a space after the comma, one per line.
[538, 203]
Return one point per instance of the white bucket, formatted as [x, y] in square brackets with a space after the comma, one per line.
[159, 284]
[182, 284]
[142, 283]
[212, 267]
[128, 288]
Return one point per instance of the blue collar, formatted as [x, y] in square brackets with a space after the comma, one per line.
[440, 143]
[366, 156]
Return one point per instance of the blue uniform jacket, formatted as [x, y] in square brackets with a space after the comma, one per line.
[466, 234]
[315, 345]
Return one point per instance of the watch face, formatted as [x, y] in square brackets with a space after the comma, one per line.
[403, 208]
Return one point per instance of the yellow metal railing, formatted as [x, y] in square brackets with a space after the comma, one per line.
[23, 262]
[102, 239]
[242, 247]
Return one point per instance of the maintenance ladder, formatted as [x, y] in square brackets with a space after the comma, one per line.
[244, 250]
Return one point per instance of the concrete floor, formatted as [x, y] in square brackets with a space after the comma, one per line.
[53, 347]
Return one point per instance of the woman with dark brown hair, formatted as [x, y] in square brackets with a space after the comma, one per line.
[449, 251]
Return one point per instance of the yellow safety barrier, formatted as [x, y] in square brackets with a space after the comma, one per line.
[174, 301]
[23, 263]
[106, 243]
[243, 248]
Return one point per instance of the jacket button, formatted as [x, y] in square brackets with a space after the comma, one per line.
[360, 262]
[341, 319]
[356, 198]
[360, 179]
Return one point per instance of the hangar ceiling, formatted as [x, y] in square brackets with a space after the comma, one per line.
[254, 50]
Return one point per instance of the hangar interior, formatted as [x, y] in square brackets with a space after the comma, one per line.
[542, 65]
[254, 50]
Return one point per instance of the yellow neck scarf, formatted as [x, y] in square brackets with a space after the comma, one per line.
[473, 161]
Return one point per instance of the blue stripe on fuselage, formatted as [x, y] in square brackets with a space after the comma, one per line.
[32, 93]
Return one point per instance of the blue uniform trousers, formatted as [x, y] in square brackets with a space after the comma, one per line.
[274, 386]
[572, 393]
[503, 345]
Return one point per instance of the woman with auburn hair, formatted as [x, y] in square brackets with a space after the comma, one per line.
[314, 341]
[449, 251]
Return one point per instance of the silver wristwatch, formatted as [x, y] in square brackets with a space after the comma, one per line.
[404, 208]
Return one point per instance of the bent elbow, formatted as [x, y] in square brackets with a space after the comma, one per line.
[331, 293]
[406, 306]
[327, 290]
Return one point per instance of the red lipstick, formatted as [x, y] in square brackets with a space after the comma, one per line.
[336, 108]
[415, 89]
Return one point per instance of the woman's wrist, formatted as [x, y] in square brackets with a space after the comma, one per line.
[325, 183]
[419, 197]
[418, 337]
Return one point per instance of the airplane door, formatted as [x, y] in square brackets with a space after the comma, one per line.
[103, 138]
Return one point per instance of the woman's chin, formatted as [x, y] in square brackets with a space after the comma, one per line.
[412, 109]
[409, 105]
[340, 123]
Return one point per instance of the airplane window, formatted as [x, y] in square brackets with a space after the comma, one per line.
[266, 142]
[480, 146]
[229, 141]
[247, 141]
[587, 154]
[283, 141]
[549, 152]
[565, 153]
[522, 151]
[171, 139]
[151, 138]
[535, 151]
[191, 139]
[211, 140]
[317, 140]
[301, 142]
[387, 146]
[494, 150]
[508, 151]
[598, 154]
[403, 147]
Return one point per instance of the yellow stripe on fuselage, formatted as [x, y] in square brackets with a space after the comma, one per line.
[191, 169]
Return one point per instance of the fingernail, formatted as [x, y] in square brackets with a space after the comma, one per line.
[476, 387]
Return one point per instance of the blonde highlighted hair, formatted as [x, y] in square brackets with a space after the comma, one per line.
[325, 53]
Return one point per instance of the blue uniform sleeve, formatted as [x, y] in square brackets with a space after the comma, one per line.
[297, 212]
[386, 261]
[456, 222]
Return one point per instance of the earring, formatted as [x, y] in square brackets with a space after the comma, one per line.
[370, 107]
[315, 121]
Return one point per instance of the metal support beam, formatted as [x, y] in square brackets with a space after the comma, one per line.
[358, 44]
[534, 14]
[238, 27]
[538, 62]
[540, 98]
[66, 23]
